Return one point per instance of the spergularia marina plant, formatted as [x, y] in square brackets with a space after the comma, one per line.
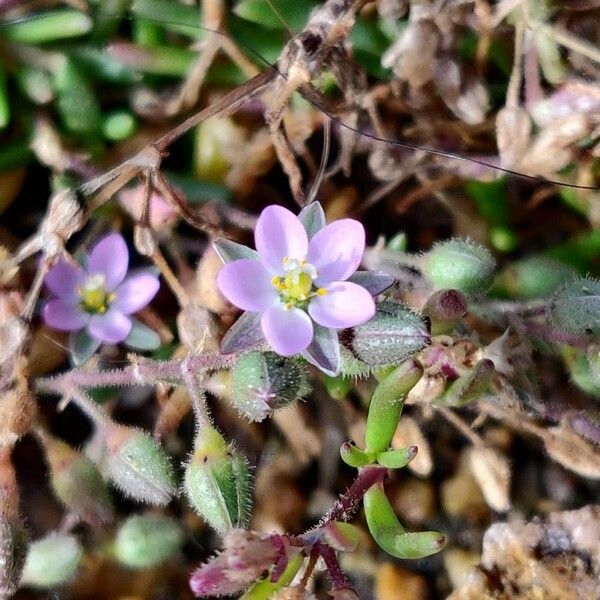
[253, 436]
[297, 281]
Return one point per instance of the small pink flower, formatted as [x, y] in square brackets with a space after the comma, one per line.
[297, 283]
[99, 298]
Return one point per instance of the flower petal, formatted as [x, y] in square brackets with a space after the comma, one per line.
[344, 305]
[135, 293]
[247, 284]
[288, 331]
[279, 234]
[111, 327]
[109, 257]
[336, 250]
[64, 278]
[64, 316]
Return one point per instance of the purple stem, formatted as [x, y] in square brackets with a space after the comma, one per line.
[338, 579]
[545, 332]
[147, 372]
[347, 503]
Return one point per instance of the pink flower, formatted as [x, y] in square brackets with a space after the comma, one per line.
[99, 298]
[298, 282]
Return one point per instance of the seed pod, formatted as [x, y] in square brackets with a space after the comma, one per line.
[459, 264]
[147, 541]
[576, 307]
[389, 533]
[262, 382]
[533, 277]
[138, 466]
[469, 387]
[52, 561]
[386, 405]
[394, 334]
[77, 482]
[217, 482]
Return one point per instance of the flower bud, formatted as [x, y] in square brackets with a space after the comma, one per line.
[147, 540]
[584, 369]
[217, 481]
[386, 405]
[532, 277]
[246, 556]
[138, 466]
[52, 561]
[394, 334]
[470, 387]
[443, 308]
[576, 307]
[13, 549]
[262, 382]
[459, 264]
[77, 482]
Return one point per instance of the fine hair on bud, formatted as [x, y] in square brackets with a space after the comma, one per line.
[576, 307]
[459, 264]
[394, 334]
[217, 482]
[264, 381]
[138, 466]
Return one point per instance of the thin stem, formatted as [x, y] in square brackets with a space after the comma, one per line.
[568, 40]
[460, 425]
[347, 503]
[140, 373]
[338, 579]
[159, 260]
[516, 75]
[228, 102]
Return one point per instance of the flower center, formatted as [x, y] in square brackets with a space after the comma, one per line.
[95, 299]
[296, 287]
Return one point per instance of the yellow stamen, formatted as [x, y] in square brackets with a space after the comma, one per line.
[321, 292]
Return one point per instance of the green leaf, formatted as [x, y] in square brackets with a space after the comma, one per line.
[389, 533]
[353, 456]
[396, 458]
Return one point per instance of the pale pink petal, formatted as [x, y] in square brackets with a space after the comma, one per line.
[247, 284]
[111, 327]
[109, 257]
[64, 316]
[64, 278]
[161, 212]
[288, 331]
[279, 234]
[135, 293]
[344, 305]
[336, 250]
